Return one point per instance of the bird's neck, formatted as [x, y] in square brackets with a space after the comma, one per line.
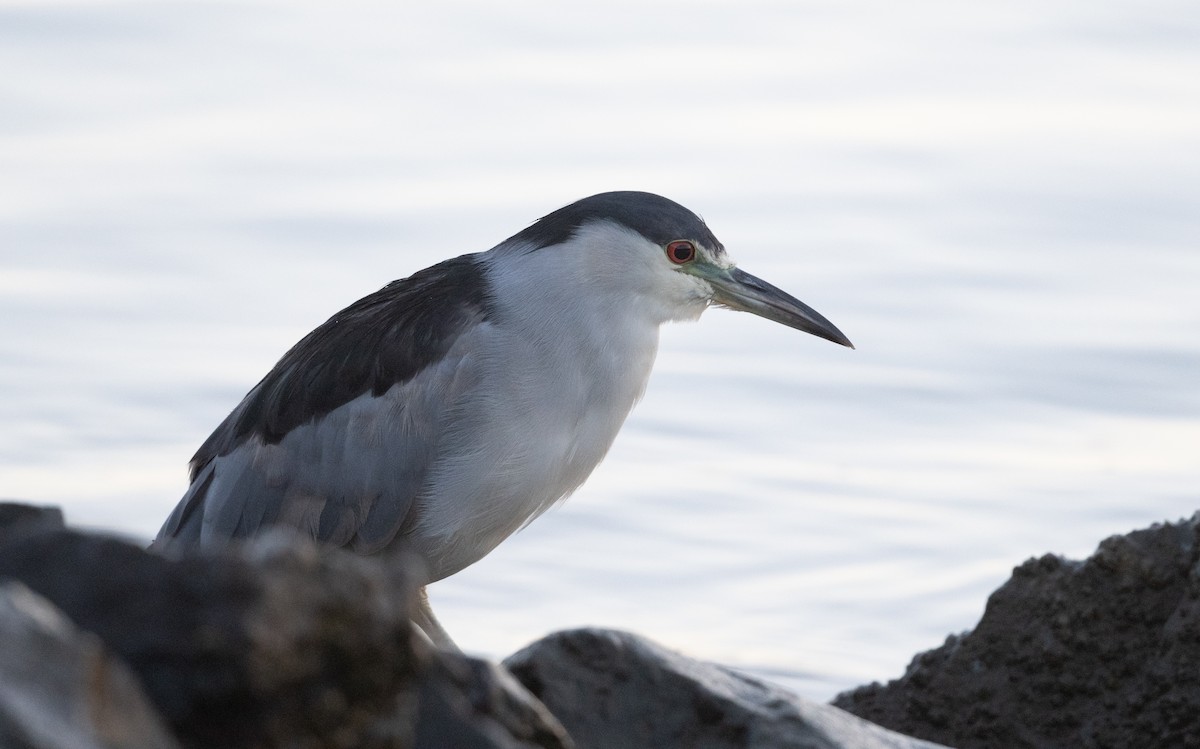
[580, 319]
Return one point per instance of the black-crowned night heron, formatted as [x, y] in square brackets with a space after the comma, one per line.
[447, 410]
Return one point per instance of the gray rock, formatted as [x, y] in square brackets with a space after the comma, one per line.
[60, 688]
[277, 643]
[469, 703]
[614, 690]
[14, 514]
[1100, 653]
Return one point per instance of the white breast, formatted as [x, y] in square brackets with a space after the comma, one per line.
[549, 382]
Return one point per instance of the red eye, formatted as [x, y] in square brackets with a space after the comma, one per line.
[681, 251]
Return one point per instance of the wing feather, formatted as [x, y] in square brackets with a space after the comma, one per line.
[337, 439]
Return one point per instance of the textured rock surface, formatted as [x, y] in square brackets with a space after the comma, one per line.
[1101, 653]
[614, 690]
[289, 644]
[468, 703]
[276, 644]
[61, 689]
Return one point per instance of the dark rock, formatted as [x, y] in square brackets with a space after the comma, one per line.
[1100, 653]
[62, 689]
[281, 642]
[14, 514]
[277, 643]
[468, 702]
[615, 690]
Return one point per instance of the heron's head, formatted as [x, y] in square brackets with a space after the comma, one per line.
[664, 254]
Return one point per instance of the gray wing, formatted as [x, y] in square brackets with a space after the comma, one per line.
[336, 441]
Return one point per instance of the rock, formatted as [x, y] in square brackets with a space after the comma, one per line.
[1100, 653]
[469, 702]
[60, 688]
[280, 644]
[13, 514]
[614, 690]
[277, 643]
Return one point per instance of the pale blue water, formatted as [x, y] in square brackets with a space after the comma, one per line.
[998, 202]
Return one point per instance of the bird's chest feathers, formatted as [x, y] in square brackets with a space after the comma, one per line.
[549, 379]
[579, 343]
[578, 382]
[557, 394]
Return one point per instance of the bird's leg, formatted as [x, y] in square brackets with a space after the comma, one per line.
[428, 624]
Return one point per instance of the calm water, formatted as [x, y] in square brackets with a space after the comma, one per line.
[998, 202]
